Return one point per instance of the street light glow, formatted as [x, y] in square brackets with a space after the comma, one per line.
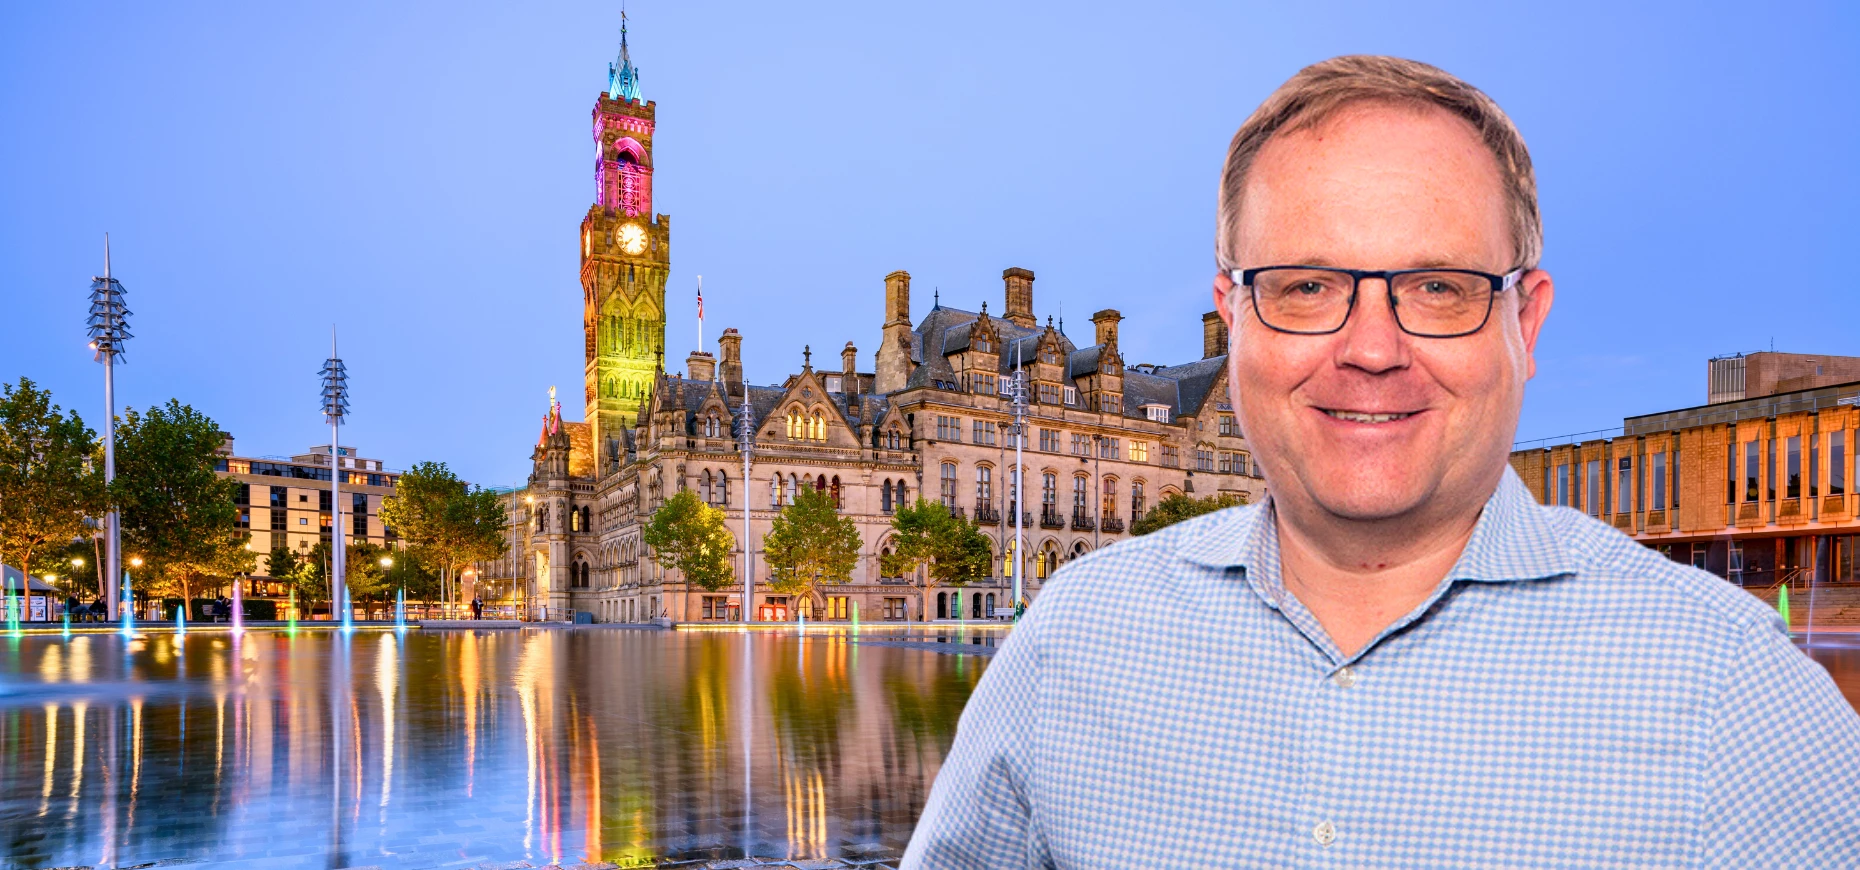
[387, 561]
[135, 561]
[77, 562]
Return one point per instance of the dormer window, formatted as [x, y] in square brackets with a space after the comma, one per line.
[983, 345]
[1072, 395]
[1159, 413]
[833, 384]
[1049, 357]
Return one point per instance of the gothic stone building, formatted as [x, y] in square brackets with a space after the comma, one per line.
[1104, 439]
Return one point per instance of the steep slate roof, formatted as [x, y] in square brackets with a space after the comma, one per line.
[1184, 388]
[1194, 380]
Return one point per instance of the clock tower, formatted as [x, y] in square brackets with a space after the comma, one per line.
[625, 258]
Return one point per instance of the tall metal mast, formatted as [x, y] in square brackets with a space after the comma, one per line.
[335, 406]
[109, 328]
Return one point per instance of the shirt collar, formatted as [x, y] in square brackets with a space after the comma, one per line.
[1513, 540]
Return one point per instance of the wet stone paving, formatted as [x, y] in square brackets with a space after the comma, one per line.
[590, 746]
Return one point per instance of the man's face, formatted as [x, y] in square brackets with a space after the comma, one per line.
[1380, 187]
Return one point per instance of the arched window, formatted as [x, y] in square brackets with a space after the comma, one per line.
[892, 441]
[988, 607]
[949, 483]
[585, 525]
[794, 487]
[704, 487]
[1049, 489]
[1108, 497]
[1078, 549]
[975, 605]
[574, 520]
[942, 605]
[797, 425]
[723, 488]
[833, 489]
[820, 483]
[775, 491]
[984, 484]
[1136, 501]
[1079, 500]
[884, 497]
[817, 427]
[900, 496]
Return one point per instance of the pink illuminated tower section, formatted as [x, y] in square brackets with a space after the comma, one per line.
[625, 261]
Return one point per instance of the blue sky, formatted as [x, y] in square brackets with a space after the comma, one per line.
[416, 173]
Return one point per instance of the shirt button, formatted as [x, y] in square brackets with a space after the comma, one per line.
[1325, 833]
[1344, 678]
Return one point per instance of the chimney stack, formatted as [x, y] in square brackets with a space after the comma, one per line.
[1107, 321]
[893, 365]
[730, 344]
[700, 366]
[1213, 335]
[1019, 309]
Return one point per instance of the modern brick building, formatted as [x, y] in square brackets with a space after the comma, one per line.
[286, 500]
[1757, 485]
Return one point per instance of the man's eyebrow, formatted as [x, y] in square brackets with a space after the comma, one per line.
[1424, 262]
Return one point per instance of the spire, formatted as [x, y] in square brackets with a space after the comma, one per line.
[622, 76]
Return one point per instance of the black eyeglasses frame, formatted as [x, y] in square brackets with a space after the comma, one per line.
[1500, 283]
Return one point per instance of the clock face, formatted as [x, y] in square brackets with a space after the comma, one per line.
[632, 239]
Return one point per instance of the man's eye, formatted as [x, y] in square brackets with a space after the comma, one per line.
[1308, 288]
[1439, 288]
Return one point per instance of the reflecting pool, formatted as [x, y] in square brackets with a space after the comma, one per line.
[431, 748]
[463, 748]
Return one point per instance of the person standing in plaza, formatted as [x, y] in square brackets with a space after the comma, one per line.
[1399, 658]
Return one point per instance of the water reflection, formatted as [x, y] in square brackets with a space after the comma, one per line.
[327, 750]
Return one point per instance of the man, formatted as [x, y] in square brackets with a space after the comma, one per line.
[1399, 659]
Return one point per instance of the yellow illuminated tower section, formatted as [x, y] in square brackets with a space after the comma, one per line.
[625, 257]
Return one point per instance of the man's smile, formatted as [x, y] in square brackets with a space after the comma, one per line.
[1370, 417]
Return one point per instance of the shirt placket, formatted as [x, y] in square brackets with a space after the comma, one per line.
[1334, 710]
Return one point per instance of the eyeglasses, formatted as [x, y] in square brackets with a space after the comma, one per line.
[1428, 303]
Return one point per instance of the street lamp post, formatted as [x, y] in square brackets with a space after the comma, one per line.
[109, 328]
[1020, 491]
[746, 441]
[1097, 494]
[335, 406]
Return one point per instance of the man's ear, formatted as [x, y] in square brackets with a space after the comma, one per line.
[1223, 291]
[1536, 291]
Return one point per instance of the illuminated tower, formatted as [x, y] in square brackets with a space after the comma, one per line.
[625, 257]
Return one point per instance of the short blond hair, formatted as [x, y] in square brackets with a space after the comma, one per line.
[1320, 90]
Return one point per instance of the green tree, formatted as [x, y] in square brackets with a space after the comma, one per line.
[281, 563]
[935, 547]
[177, 513]
[49, 482]
[411, 573]
[688, 536]
[810, 544]
[310, 577]
[75, 563]
[449, 523]
[1176, 507]
[364, 574]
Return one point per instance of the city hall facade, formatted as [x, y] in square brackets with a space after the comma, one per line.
[1105, 439]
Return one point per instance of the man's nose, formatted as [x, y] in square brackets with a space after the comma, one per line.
[1372, 340]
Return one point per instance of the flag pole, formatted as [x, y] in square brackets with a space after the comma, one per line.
[700, 346]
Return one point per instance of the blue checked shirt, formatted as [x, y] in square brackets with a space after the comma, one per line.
[1566, 697]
